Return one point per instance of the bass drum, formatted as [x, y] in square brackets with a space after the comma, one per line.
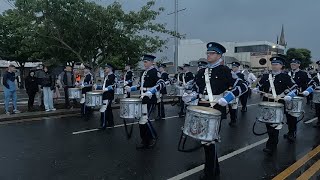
[202, 123]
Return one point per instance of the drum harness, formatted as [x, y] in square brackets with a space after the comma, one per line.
[183, 137]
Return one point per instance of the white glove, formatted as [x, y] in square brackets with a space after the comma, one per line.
[255, 90]
[128, 89]
[167, 82]
[287, 98]
[148, 94]
[305, 93]
[222, 102]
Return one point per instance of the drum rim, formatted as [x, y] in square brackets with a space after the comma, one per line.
[75, 88]
[297, 97]
[130, 100]
[94, 93]
[274, 104]
[214, 111]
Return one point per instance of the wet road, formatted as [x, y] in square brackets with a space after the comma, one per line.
[63, 148]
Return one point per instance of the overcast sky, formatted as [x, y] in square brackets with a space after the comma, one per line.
[240, 20]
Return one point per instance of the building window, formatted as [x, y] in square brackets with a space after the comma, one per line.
[257, 48]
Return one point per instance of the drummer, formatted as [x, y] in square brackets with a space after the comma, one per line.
[201, 65]
[284, 86]
[187, 78]
[150, 83]
[220, 79]
[302, 79]
[86, 84]
[163, 91]
[128, 77]
[315, 84]
[233, 108]
[106, 118]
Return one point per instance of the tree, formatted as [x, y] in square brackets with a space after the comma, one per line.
[84, 31]
[304, 55]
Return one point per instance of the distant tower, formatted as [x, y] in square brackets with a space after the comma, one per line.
[282, 40]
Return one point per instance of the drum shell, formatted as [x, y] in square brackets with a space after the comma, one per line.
[130, 108]
[179, 90]
[316, 96]
[202, 126]
[270, 112]
[295, 106]
[119, 90]
[94, 99]
[74, 93]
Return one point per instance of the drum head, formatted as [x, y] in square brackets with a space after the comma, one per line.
[94, 92]
[271, 104]
[131, 100]
[204, 110]
[297, 98]
[75, 88]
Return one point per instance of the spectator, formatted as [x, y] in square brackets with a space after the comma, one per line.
[47, 85]
[39, 74]
[67, 80]
[31, 88]
[10, 89]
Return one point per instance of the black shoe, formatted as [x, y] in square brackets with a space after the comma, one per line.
[244, 109]
[142, 145]
[268, 151]
[102, 128]
[181, 115]
[158, 118]
[290, 137]
[152, 143]
[111, 125]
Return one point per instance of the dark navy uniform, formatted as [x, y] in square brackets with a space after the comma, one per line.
[163, 91]
[128, 80]
[150, 83]
[220, 81]
[86, 84]
[284, 85]
[315, 84]
[108, 96]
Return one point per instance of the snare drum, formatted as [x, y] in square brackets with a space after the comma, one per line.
[179, 90]
[295, 106]
[118, 90]
[130, 108]
[316, 96]
[270, 112]
[202, 123]
[94, 99]
[74, 93]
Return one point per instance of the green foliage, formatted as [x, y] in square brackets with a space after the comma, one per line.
[81, 31]
[304, 55]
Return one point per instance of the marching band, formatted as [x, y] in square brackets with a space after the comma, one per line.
[208, 94]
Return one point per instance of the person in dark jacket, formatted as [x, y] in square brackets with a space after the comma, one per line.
[47, 86]
[67, 80]
[31, 88]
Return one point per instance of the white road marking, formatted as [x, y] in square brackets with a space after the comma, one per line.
[116, 126]
[227, 156]
[310, 121]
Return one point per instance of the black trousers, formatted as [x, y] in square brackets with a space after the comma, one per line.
[273, 137]
[317, 106]
[181, 106]
[244, 99]
[107, 116]
[161, 112]
[84, 109]
[292, 124]
[31, 99]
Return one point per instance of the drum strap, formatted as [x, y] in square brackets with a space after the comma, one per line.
[208, 86]
[318, 76]
[142, 81]
[274, 94]
[183, 79]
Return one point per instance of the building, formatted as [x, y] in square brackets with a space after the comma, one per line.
[248, 53]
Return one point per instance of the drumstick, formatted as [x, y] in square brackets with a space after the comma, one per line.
[271, 96]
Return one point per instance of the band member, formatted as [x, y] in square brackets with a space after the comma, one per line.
[163, 91]
[86, 84]
[201, 65]
[302, 79]
[282, 85]
[249, 77]
[187, 77]
[108, 95]
[150, 83]
[128, 77]
[315, 84]
[210, 84]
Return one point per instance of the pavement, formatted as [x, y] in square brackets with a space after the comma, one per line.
[67, 146]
